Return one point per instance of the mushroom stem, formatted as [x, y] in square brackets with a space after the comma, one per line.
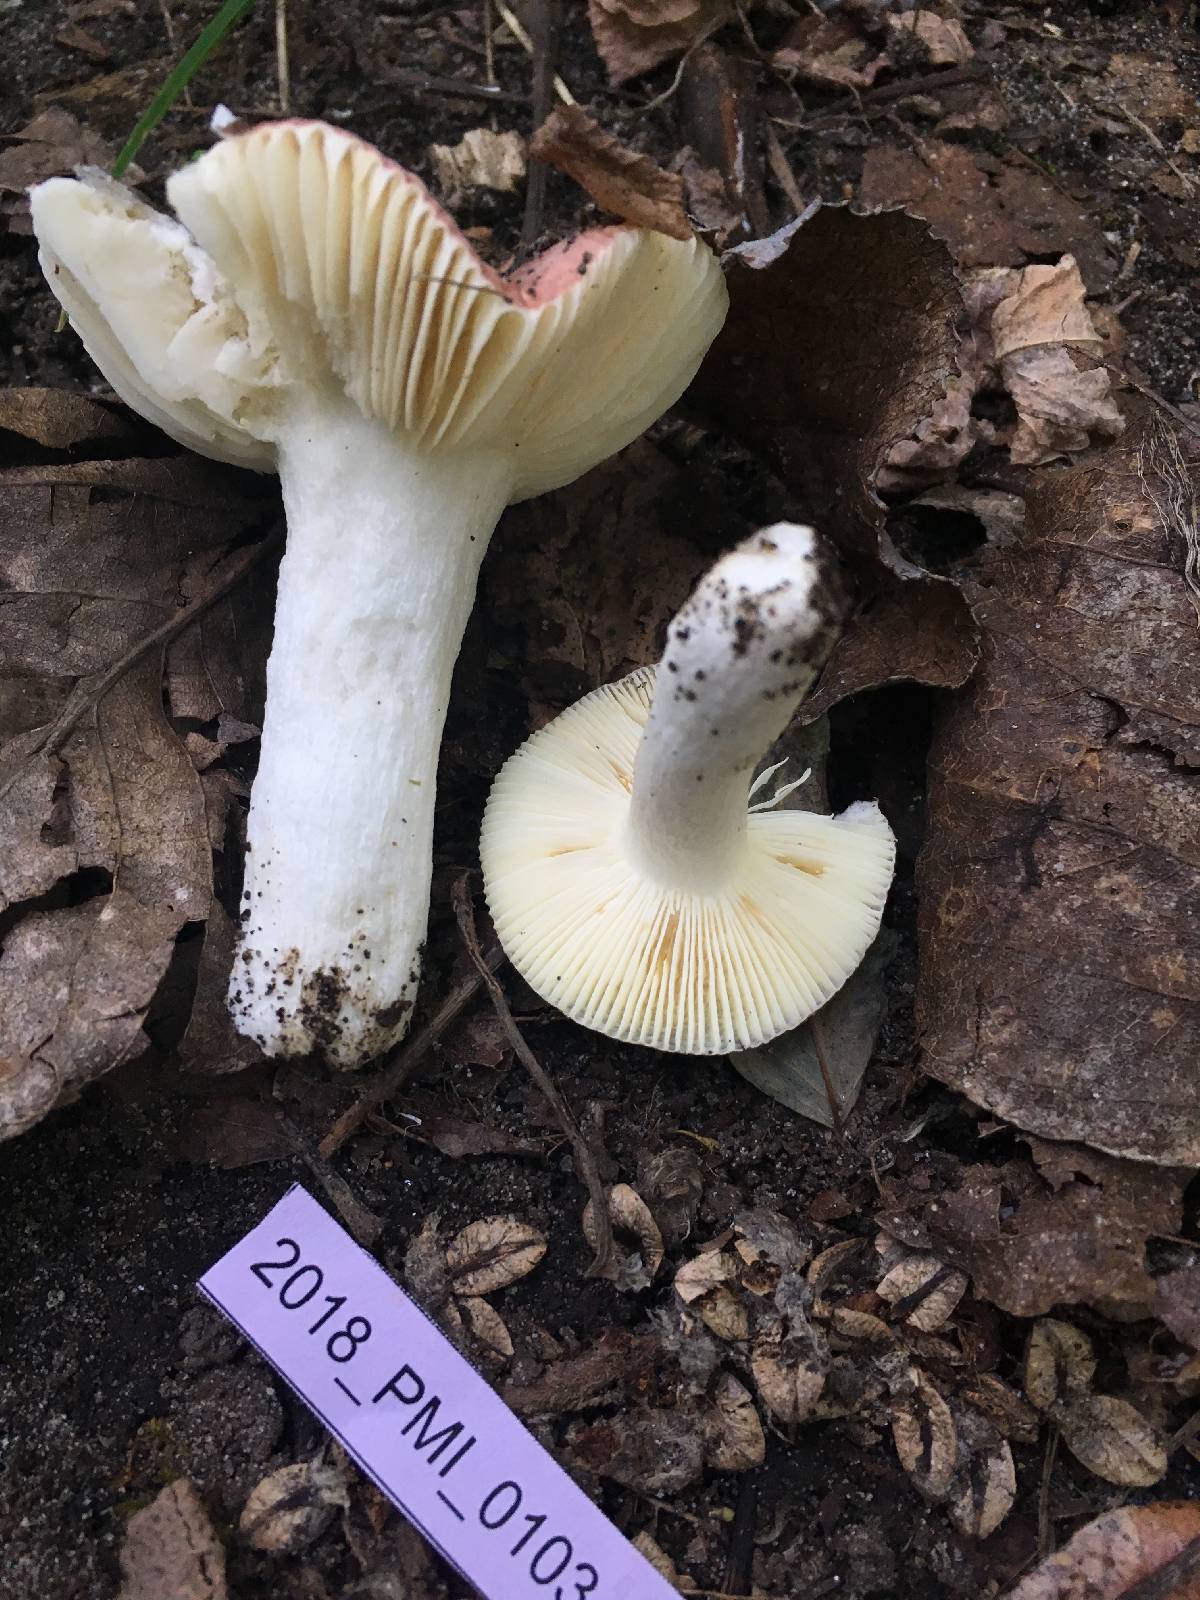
[740, 656]
[384, 545]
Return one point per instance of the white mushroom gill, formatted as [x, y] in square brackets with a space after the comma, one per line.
[630, 881]
[318, 314]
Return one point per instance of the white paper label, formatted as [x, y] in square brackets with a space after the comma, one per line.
[417, 1418]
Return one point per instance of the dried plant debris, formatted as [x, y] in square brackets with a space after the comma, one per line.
[481, 159]
[592, 574]
[1106, 1434]
[170, 1548]
[1060, 973]
[634, 36]
[620, 180]
[1029, 336]
[1075, 1232]
[992, 212]
[837, 1042]
[291, 1507]
[632, 1220]
[1122, 1553]
[105, 850]
[840, 339]
[451, 1280]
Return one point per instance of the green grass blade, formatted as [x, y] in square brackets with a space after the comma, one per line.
[184, 70]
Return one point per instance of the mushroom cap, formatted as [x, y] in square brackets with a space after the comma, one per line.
[310, 260]
[703, 973]
[156, 317]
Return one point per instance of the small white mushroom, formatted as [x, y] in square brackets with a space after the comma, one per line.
[631, 883]
[319, 315]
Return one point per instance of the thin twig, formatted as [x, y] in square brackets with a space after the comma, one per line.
[283, 71]
[1045, 1542]
[60, 730]
[418, 82]
[383, 1084]
[489, 44]
[515, 27]
[360, 1220]
[603, 1263]
[741, 1538]
[546, 42]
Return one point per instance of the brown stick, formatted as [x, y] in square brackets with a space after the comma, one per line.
[60, 730]
[835, 1112]
[545, 40]
[603, 1265]
[382, 1085]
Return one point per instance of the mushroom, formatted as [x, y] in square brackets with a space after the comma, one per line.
[315, 312]
[630, 881]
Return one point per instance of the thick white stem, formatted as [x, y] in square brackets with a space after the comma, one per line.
[740, 656]
[383, 550]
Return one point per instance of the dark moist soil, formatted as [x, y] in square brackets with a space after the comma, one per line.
[114, 1378]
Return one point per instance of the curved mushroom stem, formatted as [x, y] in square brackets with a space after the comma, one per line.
[383, 552]
[740, 656]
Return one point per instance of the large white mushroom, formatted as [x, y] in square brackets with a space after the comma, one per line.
[318, 314]
[631, 881]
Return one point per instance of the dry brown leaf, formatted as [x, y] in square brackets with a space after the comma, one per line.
[992, 213]
[1112, 1439]
[937, 1290]
[703, 1273]
[926, 1439]
[93, 558]
[858, 1327]
[482, 159]
[629, 1214]
[492, 1253]
[734, 1440]
[589, 576]
[1118, 1551]
[1179, 1303]
[1003, 1407]
[941, 40]
[662, 1563]
[1060, 971]
[840, 339]
[987, 1492]
[724, 1314]
[488, 1328]
[789, 1377]
[1060, 1363]
[654, 1452]
[620, 180]
[170, 1548]
[618, 1363]
[830, 52]
[634, 36]
[291, 1507]
[52, 145]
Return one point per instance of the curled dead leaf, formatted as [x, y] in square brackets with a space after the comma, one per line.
[488, 1328]
[1112, 1439]
[696, 1277]
[630, 1215]
[734, 1440]
[658, 1558]
[1116, 1552]
[858, 1327]
[492, 1253]
[633, 36]
[987, 1493]
[1060, 1363]
[290, 1507]
[926, 1438]
[623, 181]
[923, 1290]
[789, 1378]
[1003, 1408]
